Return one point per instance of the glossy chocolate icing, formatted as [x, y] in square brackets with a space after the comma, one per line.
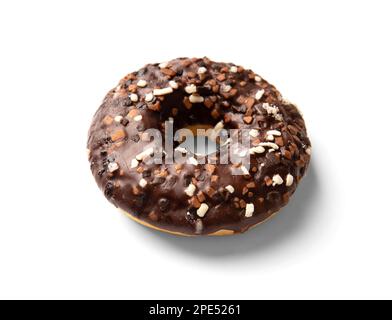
[229, 92]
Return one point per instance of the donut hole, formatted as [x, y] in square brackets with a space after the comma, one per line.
[197, 139]
[192, 124]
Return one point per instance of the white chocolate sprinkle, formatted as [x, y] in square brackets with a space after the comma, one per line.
[134, 97]
[201, 212]
[134, 163]
[190, 190]
[273, 110]
[146, 153]
[250, 208]
[193, 161]
[202, 70]
[173, 84]
[278, 117]
[289, 180]
[190, 89]
[244, 170]
[230, 188]
[181, 149]
[309, 151]
[219, 126]
[270, 109]
[143, 183]
[141, 83]
[226, 88]
[217, 129]
[270, 137]
[277, 180]
[258, 79]
[113, 166]
[269, 145]
[254, 133]
[196, 99]
[163, 65]
[234, 69]
[274, 133]
[259, 94]
[118, 119]
[149, 97]
[138, 118]
[258, 149]
[162, 92]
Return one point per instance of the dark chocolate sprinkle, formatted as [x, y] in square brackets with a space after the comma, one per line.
[163, 204]
[146, 174]
[124, 122]
[157, 181]
[135, 138]
[109, 189]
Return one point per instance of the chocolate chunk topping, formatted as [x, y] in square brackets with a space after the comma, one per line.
[163, 204]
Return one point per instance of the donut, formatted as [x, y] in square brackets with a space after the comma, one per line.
[202, 194]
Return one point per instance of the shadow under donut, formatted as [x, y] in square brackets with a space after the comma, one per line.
[279, 229]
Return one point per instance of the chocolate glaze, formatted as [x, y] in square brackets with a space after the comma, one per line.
[163, 201]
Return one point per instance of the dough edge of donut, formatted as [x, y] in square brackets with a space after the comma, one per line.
[219, 233]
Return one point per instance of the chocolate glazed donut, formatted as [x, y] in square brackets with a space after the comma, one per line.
[194, 198]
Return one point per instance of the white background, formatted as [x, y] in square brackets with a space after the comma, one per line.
[60, 238]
